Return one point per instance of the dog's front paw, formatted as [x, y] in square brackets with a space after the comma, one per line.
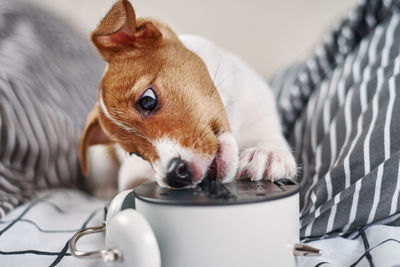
[266, 164]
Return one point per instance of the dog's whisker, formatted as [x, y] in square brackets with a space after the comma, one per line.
[182, 132]
[216, 115]
[201, 137]
[212, 89]
[254, 120]
[206, 126]
[228, 76]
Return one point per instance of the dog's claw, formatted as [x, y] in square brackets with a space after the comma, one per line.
[267, 164]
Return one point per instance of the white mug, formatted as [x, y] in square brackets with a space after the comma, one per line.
[248, 224]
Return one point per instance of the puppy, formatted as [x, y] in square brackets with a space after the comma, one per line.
[176, 109]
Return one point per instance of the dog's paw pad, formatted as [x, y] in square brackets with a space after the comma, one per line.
[260, 164]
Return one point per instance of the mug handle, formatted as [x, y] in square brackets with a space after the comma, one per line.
[108, 255]
[129, 241]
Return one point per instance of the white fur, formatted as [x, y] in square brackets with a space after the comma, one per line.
[251, 110]
[229, 154]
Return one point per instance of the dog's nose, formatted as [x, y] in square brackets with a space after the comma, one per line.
[178, 173]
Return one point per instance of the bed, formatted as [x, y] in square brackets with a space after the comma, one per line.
[49, 221]
[339, 112]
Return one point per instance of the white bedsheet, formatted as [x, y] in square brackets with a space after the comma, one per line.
[377, 245]
[37, 234]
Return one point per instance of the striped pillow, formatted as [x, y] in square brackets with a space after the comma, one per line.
[340, 111]
[48, 81]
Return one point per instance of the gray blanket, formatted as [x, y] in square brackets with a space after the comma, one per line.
[340, 110]
[48, 84]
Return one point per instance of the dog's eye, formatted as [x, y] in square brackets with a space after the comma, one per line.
[148, 101]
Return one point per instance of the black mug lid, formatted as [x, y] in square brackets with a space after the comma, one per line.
[212, 192]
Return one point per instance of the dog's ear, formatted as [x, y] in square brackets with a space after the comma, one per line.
[118, 31]
[93, 134]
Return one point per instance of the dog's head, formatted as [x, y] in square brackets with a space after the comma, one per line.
[157, 100]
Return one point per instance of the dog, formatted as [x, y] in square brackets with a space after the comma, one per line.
[176, 110]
